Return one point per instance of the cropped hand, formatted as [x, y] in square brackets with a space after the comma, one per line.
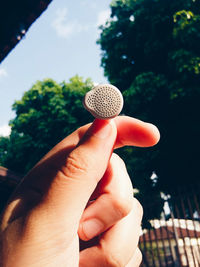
[79, 191]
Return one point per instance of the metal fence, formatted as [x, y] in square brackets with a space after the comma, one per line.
[174, 238]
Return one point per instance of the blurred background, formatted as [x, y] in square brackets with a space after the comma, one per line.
[53, 52]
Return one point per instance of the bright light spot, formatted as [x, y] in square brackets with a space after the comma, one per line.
[114, 18]
[132, 18]
[119, 34]
[166, 208]
[153, 176]
[188, 16]
[5, 130]
[135, 190]
[103, 17]
[124, 57]
[95, 83]
[19, 37]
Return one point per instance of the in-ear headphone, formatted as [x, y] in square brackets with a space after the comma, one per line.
[104, 101]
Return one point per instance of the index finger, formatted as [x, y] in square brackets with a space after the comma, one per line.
[134, 132]
[130, 132]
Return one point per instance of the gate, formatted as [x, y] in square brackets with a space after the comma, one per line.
[174, 239]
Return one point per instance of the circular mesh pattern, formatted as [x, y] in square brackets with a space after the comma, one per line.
[104, 101]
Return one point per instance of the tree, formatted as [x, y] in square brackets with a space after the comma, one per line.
[46, 114]
[3, 146]
[150, 50]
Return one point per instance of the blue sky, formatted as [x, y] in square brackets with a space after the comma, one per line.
[59, 45]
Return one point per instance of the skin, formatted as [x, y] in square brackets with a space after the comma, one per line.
[80, 191]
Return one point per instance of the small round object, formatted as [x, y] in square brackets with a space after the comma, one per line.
[104, 101]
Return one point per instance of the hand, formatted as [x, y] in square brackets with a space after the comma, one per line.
[80, 189]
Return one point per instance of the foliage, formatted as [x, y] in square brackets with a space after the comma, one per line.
[46, 114]
[150, 50]
[3, 146]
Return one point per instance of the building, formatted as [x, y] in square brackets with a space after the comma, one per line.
[15, 19]
[170, 242]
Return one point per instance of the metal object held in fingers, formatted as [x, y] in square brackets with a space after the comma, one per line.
[104, 101]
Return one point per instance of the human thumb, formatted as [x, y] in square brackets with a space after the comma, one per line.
[79, 174]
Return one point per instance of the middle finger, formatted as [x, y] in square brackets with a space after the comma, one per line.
[113, 195]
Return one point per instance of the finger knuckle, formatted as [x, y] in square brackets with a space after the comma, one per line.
[113, 261]
[122, 206]
[76, 165]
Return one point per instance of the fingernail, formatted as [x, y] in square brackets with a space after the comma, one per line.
[100, 128]
[92, 228]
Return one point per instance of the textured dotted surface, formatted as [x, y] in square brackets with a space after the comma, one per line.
[104, 101]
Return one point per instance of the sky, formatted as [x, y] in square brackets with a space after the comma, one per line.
[60, 44]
